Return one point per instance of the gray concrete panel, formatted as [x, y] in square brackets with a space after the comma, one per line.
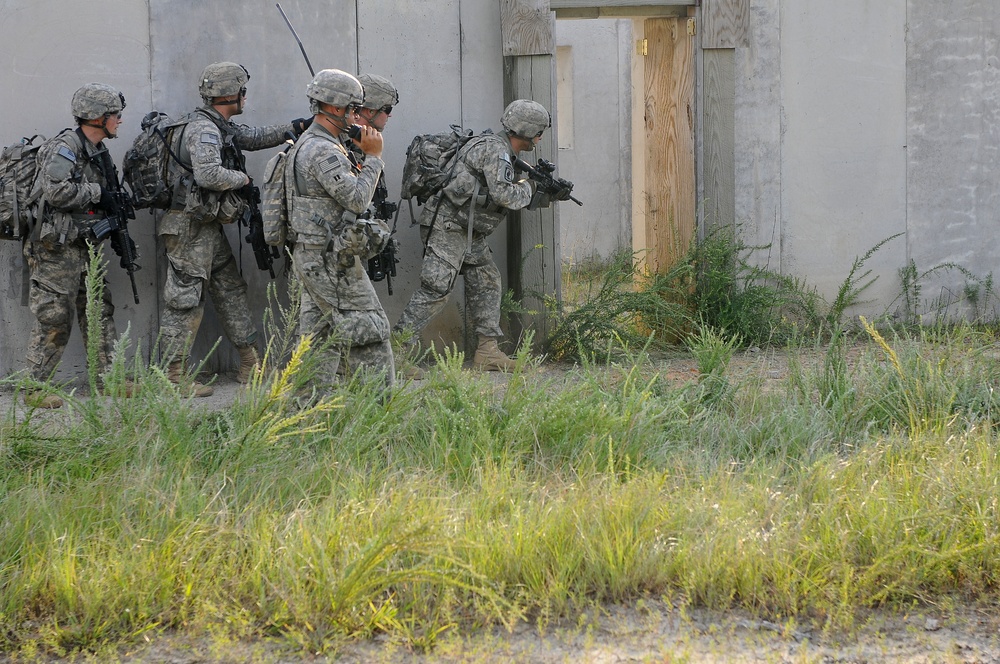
[596, 162]
[953, 113]
[758, 135]
[52, 47]
[843, 179]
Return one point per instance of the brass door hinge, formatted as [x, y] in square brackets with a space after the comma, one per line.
[642, 47]
[692, 29]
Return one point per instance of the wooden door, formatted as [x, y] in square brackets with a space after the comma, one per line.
[669, 136]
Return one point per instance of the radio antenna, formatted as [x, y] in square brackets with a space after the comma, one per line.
[301, 47]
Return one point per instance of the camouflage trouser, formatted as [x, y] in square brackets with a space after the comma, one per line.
[446, 258]
[360, 339]
[199, 254]
[58, 286]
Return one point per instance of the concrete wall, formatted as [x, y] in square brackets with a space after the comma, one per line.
[599, 159]
[443, 56]
[864, 119]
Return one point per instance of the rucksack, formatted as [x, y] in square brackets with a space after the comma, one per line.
[274, 199]
[146, 167]
[430, 162]
[18, 165]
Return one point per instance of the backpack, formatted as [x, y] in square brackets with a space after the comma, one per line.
[430, 162]
[274, 199]
[146, 167]
[18, 164]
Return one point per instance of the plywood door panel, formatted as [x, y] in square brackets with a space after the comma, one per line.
[669, 120]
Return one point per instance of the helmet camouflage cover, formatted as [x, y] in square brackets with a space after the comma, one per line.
[335, 87]
[525, 118]
[95, 100]
[222, 79]
[379, 92]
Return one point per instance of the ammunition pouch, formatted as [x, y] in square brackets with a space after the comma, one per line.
[202, 205]
[232, 207]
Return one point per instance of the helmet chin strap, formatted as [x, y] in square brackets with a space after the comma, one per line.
[339, 121]
[103, 127]
[238, 102]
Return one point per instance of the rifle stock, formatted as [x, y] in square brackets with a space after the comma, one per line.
[252, 219]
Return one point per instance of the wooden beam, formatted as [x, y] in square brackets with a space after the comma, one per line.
[533, 252]
[622, 12]
[592, 4]
[725, 24]
[527, 27]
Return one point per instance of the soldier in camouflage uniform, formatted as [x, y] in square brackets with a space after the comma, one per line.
[74, 183]
[331, 188]
[374, 112]
[482, 190]
[199, 257]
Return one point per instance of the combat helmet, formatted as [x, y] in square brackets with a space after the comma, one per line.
[334, 87]
[222, 79]
[95, 100]
[379, 92]
[525, 118]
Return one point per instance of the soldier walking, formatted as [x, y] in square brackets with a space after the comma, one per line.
[481, 192]
[330, 192]
[199, 257]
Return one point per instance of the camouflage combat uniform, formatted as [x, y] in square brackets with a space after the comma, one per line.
[331, 252]
[198, 251]
[486, 161]
[70, 177]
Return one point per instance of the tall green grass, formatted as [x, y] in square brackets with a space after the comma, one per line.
[317, 518]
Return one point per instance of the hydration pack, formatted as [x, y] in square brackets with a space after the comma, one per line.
[18, 166]
[274, 199]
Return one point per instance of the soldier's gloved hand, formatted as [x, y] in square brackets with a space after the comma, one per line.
[107, 202]
[301, 124]
[116, 246]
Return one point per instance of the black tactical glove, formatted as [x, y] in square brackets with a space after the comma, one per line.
[107, 202]
[116, 246]
[301, 124]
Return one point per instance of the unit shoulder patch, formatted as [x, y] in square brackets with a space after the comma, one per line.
[505, 170]
[66, 152]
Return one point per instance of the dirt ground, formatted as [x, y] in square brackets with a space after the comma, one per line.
[646, 631]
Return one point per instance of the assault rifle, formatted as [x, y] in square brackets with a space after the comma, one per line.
[253, 221]
[115, 224]
[557, 188]
[383, 264]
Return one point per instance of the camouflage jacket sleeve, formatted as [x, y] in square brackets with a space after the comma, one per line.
[492, 159]
[331, 173]
[203, 141]
[67, 179]
[260, 138]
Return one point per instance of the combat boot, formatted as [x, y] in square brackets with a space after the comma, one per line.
[39, 399]
[489, 357]
[249, 363]
[407, 358]
[187, 385]
[126, 389]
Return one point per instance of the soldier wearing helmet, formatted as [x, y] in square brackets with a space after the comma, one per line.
[333, 240]
[207, 194]
[76, 177]
[456, 222]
